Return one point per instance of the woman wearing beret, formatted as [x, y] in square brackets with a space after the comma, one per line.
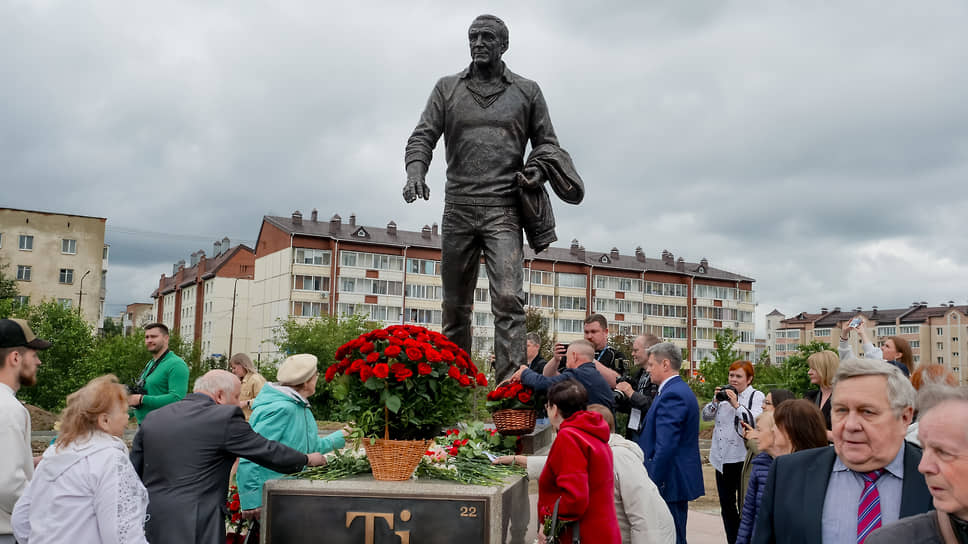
[281, 412]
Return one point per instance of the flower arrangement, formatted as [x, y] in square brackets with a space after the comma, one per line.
[402, 382]
[235, 527]
[458, 455]
[511, 396]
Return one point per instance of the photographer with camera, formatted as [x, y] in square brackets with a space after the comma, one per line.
[733, 404]
[164, 379]
[634, 394]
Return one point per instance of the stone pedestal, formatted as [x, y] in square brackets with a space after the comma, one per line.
[538, 441]
[361, 510]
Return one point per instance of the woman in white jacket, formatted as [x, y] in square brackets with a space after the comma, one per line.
[85, 488]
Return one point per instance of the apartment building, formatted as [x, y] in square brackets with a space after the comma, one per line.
[135, 315]
[206, 300]
[937, 334]
[56, 256]
[306, 268]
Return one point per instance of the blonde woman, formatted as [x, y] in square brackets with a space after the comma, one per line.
[85, 488]
[241, 365]
[823, 366]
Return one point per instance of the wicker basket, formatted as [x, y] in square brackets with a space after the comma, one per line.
[514, 422]
[394, 460]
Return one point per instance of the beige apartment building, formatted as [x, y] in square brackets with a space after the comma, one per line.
[305, 268]
[136, 315]
[937, 334]
[59, 257]
[206, 301]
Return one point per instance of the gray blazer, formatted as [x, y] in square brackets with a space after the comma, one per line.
[184, 452]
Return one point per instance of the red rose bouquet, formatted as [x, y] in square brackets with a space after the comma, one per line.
[403, 382]
[511, 396]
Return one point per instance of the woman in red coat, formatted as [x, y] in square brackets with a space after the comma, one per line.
[579, 469]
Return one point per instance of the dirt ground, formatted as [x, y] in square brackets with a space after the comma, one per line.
[40, 420]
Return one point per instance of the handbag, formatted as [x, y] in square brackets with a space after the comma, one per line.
[553, 538]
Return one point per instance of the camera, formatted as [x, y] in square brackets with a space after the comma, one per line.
[721, 396]
[618, 396]
[855, 322]
[137, 388]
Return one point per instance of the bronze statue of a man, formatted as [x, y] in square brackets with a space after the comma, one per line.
[487, 114]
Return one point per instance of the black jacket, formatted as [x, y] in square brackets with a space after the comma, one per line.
[184, 452]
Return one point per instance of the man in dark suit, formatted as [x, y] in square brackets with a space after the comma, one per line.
[184, 452]
[870, 477]
[670, 439]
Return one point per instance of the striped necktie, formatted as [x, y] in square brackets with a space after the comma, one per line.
[869, 509]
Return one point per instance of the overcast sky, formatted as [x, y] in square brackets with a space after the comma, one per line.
[818, 147]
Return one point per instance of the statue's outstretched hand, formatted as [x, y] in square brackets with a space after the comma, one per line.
[531, 178]
[414, 189]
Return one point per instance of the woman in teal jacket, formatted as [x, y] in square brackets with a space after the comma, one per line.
[281, 412]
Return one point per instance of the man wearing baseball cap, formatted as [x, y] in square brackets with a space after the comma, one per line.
[18, 366]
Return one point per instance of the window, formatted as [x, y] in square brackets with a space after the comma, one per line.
[618, 284]
[26, 242]
[665, 289]
[571, 280]
[909, 329]
[320, 257]
[954, 339]
[429, 292]
[417, 315]
[571, 325]
[674, 332]
[104, 252]
[22, 300]
[376, 261]
[573, 303]
[68, 246]
[66, 275]
[481, 295]
[540, 301]
[309, 309]
[65, 302]
[1, 239]
[483, 319]
[746, 336]
[915, 344]
[423, 266]
[821, 332]
[23, 272]
[371, 311]
[621, 306]
[370, 287]
[542, 278]
[665, 310]
[310, 283]
[940, 346]
[890, 330]
[939, 331]
[940, 360]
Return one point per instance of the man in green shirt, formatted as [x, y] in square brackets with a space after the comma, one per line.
[164, 379]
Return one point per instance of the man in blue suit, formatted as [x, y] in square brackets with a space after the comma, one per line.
[670, 439]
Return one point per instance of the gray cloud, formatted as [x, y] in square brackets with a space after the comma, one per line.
[819, 149]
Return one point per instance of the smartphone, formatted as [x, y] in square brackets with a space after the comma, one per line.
[855, 322]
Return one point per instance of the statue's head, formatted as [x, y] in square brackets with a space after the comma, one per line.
[488, 36]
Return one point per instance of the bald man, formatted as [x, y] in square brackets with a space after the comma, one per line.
[184, 452]
[580, 366]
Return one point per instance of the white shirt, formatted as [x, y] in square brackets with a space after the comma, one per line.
[728, 445]
[16, 458]
[87, 492]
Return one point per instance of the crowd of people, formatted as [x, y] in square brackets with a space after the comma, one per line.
[871, 455]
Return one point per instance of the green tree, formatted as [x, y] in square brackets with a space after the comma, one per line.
[715, 372]
[535, 322]
[123, 356]
[321, 336]
[8, 285]
[110, 327]
[66, 365]
[795, 367]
